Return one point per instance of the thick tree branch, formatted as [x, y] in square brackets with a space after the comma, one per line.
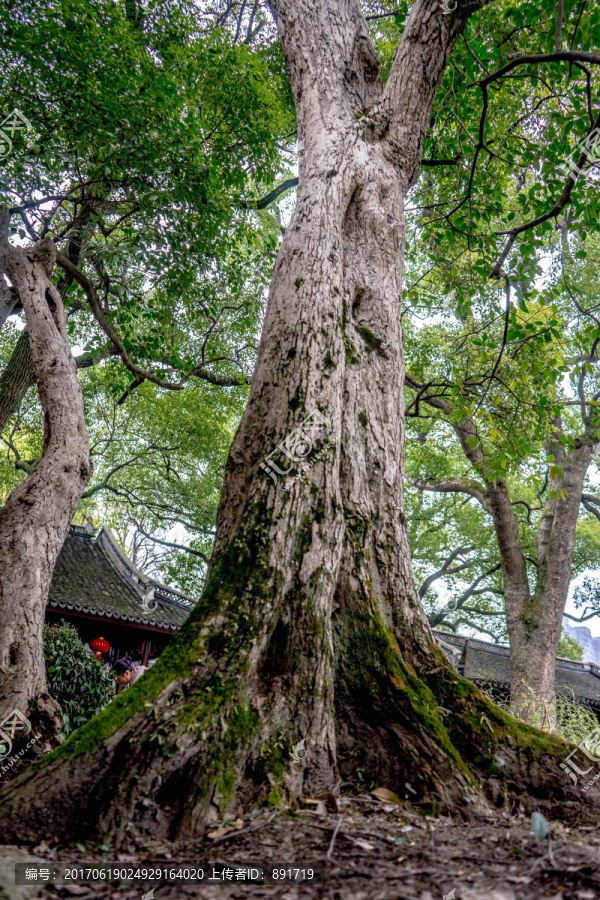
[428, 39]
[446, 569]
[454, 486]
[271, 196]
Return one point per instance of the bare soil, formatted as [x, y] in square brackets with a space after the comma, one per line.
[366, 850]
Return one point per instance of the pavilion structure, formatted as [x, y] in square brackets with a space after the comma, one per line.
[98, 589]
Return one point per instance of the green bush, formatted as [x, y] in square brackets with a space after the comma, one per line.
[574, 720]
[569, 648]
[76, 679]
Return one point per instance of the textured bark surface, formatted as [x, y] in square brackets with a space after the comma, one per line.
[310, 628]
[36, 517]
[18, 375]
[16, 379]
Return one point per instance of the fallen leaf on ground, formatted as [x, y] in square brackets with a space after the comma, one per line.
[225, 829]
[384, 795]
[330, 802]
[364, 845]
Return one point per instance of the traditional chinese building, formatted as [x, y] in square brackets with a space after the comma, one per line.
[97, 589]
[488, 665]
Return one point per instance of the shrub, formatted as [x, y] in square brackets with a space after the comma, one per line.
[569, 648]
[76, 679]
[574, 720]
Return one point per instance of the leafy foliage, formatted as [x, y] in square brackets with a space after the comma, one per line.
[157, 127]
[568, 648]
[574, 721]
[78, 681]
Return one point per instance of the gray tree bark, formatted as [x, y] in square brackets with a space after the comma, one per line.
[16, 379]
[18, 375]
[36, 517]
[310, 627]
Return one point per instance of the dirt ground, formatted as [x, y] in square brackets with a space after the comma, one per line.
[365, 849]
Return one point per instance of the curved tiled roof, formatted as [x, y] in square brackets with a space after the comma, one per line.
[94, 576]
[491, 663]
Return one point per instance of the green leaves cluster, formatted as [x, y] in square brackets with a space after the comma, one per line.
[78, 681]
[156, 125]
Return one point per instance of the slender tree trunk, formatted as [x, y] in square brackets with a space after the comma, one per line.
[18, 375]
[310, 628]
[36, 517]
[535, 620]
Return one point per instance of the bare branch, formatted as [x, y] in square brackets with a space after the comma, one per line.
[172, 544]
[446, 569]
[454, 486]
[96, 308]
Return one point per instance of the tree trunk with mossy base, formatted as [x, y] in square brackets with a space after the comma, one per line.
[35, 518]
[310, 628]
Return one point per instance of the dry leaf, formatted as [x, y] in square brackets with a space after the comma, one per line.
[383, 794]
[225, 829]
[364, 845]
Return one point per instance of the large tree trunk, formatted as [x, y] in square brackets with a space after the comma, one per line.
[310, 628]
[36, 517]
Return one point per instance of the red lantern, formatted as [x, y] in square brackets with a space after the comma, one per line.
[99, 646]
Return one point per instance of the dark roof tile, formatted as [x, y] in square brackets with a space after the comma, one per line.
[491, 663]
[93, 575]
